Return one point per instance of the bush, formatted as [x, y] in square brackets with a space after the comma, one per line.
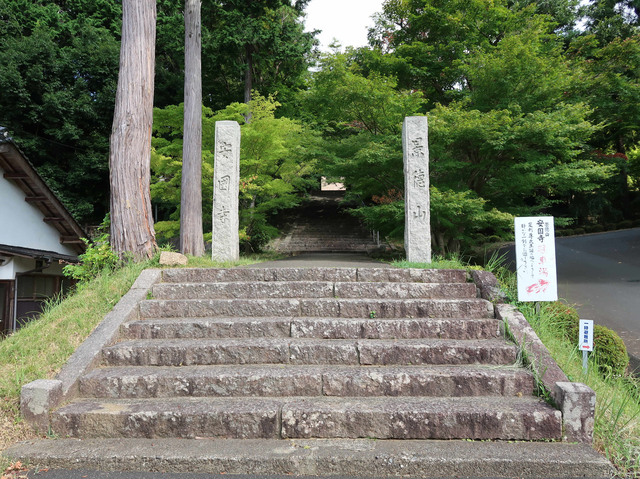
[636, 223]
[610, 227]
[494, 239]
[610, 351]
[569, 232]
[97, 258]
[565, 319]
[588, 229]
[578, 231]
[623, 225]
[597, 228]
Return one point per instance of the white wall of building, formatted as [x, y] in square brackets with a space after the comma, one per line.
[19, 265]
[21, 222]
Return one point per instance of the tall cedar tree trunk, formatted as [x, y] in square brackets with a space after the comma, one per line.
[191, 239]
[248, 80]
[130, 146]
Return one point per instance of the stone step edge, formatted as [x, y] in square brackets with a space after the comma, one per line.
[334, 307]
[310, 327]
[313, 290]
[326, 274]
[262, 380]
[317, 457]
[514, 418]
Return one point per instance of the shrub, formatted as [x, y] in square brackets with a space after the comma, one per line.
[610, 227]
[610, 351]
[578, 231]
[636, 223]
[97, 258]
[565, 319]
[588, 229]
[568, 232]
[494, 239]
[560, 233]
[597, 228]
[623, 225]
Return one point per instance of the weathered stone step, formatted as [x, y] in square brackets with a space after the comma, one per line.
[320, 328]
[520, 418]
[215, 275]
[196, 328]
[317, 457]
[312, 289]
[191, 352]
[325, 307]
[288, 381]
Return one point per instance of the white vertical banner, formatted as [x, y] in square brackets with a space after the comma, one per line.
[536, 259]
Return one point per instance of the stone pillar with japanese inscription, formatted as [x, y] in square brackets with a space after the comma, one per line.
[417, 228]
[225, 244]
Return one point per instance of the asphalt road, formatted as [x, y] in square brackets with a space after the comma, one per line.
[600, 273]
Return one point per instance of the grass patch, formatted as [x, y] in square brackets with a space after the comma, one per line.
[452, 261]
[40, 348]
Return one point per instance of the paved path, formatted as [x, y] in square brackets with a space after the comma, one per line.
[80, 474]
[324, 260]
[601, 274]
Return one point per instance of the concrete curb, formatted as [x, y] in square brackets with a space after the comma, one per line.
[38, 397]
[328, 457]
[576, 401]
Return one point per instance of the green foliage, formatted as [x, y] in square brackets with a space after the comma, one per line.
[341, 93]
[565, 319]
[624, 225]
[58, 74]
[598, 228]
[456, 216]
[275, 161]
[97, 259]
[610, 351]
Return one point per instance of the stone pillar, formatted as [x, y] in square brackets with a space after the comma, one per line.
[417, 225]
[225, 245]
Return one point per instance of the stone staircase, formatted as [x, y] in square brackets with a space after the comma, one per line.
[310, 353]
[323, 226]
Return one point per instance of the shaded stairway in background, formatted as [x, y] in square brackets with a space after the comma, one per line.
[323, 225]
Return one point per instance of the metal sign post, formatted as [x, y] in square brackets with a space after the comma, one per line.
[586, 341]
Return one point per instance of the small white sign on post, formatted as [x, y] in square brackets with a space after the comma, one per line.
[585, 336]
[536, 259]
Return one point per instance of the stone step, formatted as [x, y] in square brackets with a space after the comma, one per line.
[325, 307]
[288, 381]
[192, 352]
[478, 418]
[320, 328]
[314, 248]
[312, 289]
[198, 328]
[395, 275]
[315, 458]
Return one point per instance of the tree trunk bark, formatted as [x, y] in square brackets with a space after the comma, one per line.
[130, 146]
[191, 240]
[248, 80]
